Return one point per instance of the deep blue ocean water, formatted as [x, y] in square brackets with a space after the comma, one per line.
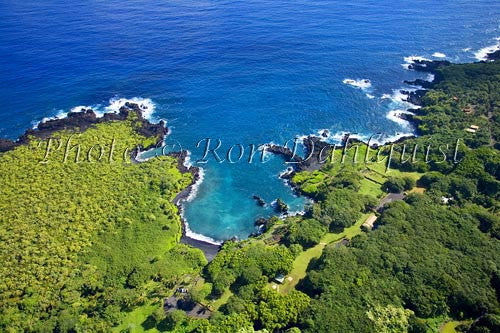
[245, 72]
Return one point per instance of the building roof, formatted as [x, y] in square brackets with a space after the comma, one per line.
[370, 221]
[279, 278]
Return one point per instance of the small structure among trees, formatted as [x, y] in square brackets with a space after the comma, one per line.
[280, 278]
[369, 223]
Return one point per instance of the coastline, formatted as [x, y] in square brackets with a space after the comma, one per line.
[85, 117]
[412, 97]
[209, 248]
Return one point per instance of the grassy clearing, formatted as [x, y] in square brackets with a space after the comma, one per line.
[419, 190]
[449, 327]
[215, 305]
[134, 320]
[369, 187]
[302, 261]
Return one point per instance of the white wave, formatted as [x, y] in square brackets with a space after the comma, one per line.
[394, 115]
[145, 104]
[430, 77]
[400, 98]
[467, 49]
[439, 55]
[482, 54]
[81, 108]
[325, 134]
[60, 115]
[200, 237]
[383, 139]
[187, 161]
[139, 157]
[296, 213]
[337, 137]
[360, 83]
[286, 172]
[370, 96]
[379, 139]
[194, 188]
[192, 194]
[411, 60]
[399, 105]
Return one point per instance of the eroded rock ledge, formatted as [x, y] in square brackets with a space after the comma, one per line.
[84, 119]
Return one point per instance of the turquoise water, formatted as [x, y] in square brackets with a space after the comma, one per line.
[240, 71]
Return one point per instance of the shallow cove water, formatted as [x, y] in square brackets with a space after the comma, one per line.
[245, 72]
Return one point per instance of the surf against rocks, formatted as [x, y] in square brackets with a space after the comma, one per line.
[319, 152]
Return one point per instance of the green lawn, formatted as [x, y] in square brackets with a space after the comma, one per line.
[215, 305]
[302, 261]
[449, 327]
[380, 170]
[134, 319]
[369, 187]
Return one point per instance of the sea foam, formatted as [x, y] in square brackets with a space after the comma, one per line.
[146, 105]
[192, 194]
[394, 115]
[482, 54]
[439, 55]
[194, 188]
[193, 235]
[360, 83]
[411, 60]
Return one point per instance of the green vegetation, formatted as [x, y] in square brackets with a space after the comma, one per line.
[396, 185]
[450, 327]
[303, 260]
[456, 279]
[83, 243]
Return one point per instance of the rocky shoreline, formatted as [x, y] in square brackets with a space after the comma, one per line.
[313, 163]
[315, 144]
[84, 119]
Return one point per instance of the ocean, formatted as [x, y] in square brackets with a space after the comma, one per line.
[242, 72]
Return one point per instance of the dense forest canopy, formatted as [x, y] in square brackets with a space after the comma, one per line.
[80, 241]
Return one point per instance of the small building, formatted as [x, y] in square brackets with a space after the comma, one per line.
[279, 278]
[474, 127]
[470, 130]
[370, 221]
